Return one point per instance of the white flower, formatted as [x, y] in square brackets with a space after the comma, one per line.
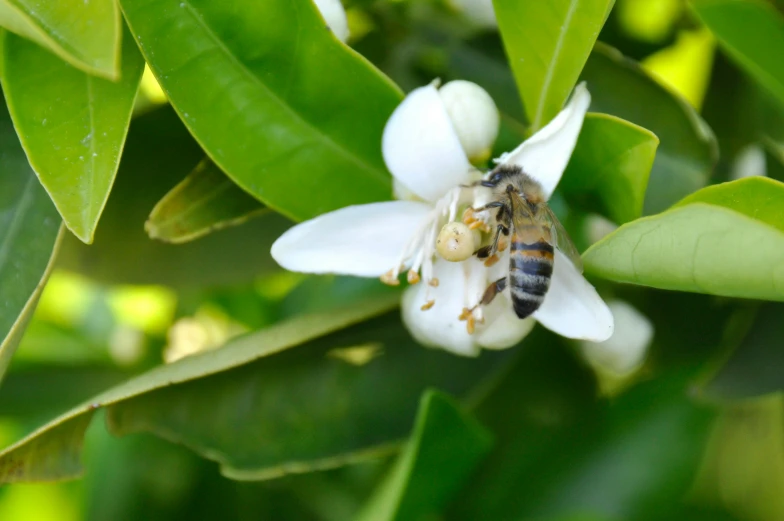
[335, 16]
[625, 350]
[423, 152]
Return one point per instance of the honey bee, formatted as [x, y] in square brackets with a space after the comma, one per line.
[535, 233]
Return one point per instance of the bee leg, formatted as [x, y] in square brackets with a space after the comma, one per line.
[489, 250]
[487, 297]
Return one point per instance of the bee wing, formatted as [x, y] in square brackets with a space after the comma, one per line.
[561, 239]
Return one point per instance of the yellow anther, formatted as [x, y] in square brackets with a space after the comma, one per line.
[412, 277]
[470, 325]
[390, 278]
[475, 225]
[491, 260]
[427, 305]
[465, 314]
[433, 282]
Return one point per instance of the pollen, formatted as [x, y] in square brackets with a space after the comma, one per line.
[491, 260]
[433, 282]
[427, 305]
[390, 278]
[412, 277]
[465, 314]
[471, 325]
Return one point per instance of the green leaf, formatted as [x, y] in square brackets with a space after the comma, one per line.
[726, 239]
[687, 152]
[610, 167]
[752, 370]
[288, 112]
[349, 397]
[733, 21]
[159, 153]
[29, 238]
[547, 44]
[85, 34]
[579, 457]
[743, 464]
[203, 202]
[72, 125]
[444, 448]
[52, 452]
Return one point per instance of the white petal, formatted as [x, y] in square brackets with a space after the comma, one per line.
[461, 284]
[506, 330]
[421, 148]
[365, 240]
[474, 117]
[439, 326]
[335, 15]
[544, 155]
[572, 307]
[625, 350]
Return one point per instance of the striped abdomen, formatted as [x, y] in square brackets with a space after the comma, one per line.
[530, 269]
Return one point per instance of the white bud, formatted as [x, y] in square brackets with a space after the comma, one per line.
[455, 242]
[474, 117]
[335, 16]
[749, 162]
[598, 227]
[480, 12]
[625, 350]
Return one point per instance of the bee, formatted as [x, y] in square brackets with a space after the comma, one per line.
[535, 233]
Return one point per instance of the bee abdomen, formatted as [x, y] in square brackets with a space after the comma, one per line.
[530, 270]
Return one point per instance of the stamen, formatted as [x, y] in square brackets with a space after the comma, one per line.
[433, 282]
[491, 260]
[470, 325]
[475, 225]
[469, 216]
[412, 277]
[503, 245]
[427, 305]
[390, 278]
[465, 314]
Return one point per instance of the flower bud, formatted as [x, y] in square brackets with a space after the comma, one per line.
[474, 117]
[625, 350]
[335, 16]
[455, 242]
[479, 12]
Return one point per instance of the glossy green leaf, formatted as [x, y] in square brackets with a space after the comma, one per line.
[203, 202]
[349, 397]
[444, 448]
[85, 34]
[687, 152]
[52, 452]
[579, 457]
[726, 239]
[609, 167]
[753, 368]
[72, 125]
[29, 230]
[159, 153]
[288, 112]
[547, 44]
[733, 22]
[743, 464]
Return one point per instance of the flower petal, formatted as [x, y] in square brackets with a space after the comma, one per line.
[572, 307]
[625, 350]
[439, 326]
[506, 330]
[544, 155]
[461, 284]
[365, 240]
[421, 147]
